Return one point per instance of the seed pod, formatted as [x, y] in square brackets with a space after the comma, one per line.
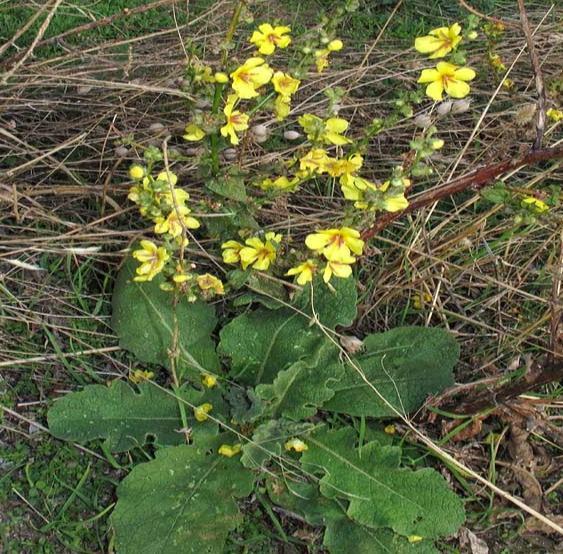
[461, 106]
[260, 138]
[260, 131]
[444, 108]
[156, 127]
[423, 120]
[291, 135]
[229, 154]
[351, 344]
[121, 152]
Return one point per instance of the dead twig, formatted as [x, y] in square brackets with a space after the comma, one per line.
[536, 66]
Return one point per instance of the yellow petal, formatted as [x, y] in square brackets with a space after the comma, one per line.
[435, 90]
[457, 89]
[465, 74]
[427, 44]
[316, 241]
[428, 76]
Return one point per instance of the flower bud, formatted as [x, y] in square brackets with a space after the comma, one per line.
[461, 106]
[229, 154]
[444, 108]
[306, 50]
[291, 135]
[472, 35]
[260, 131]
[436, 144]
[423, 120]
[221, 77]
[137, 172]
[335, 45]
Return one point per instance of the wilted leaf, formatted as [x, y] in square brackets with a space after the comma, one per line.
[182, 502]
[405, 365]
[143, 318]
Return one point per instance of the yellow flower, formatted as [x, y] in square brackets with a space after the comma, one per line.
[395, 203]
[208, 380]
[139, 376]
[329, 131]
[335, 45]
[175, 222]
[314, 160]
[282, 107]
[447, 77]
[537, 205]
[554, 115]
[267, 38]
[167, 177]
[231, 251]
[236, 121]
[280, 183]
[193, 133]
[221, 77]
[174, 197]
[346, 168]
[251, 75]
[152, 260]
[201, 411]
[137, 172]
[296, 444]
[230, 451]
[321, 59]
[341, 269]
[420, 299]
[440, 41]
[208, 282]
[304, 272]
[354, 188]
[180, 275]
[415, 538]
[336, 244]
[285, 84]
[259, 254]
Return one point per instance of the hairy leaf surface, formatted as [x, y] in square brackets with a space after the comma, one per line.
[143, 318]
[182, 502]
[405, 365]
[380, 494]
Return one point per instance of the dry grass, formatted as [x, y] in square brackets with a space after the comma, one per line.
[65, 224]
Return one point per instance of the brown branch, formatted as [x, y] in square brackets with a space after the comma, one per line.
[475, 180]
[496, 20]
[490, 398]
[536, 66]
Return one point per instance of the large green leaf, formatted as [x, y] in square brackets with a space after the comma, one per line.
[380, 494]
[297, 392]
[333, 305]
[143, 318]
[405, 365]
[268, 441]
[262, 342]
[125, 418]
[117, 414]
[182, 502]
[341, 532]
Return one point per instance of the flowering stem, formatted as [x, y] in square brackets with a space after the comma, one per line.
[231, 31]
[214, 139]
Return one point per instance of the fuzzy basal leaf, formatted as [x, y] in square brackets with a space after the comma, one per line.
[123, 417]
[405, 365]
[143, 318]
[263, 342]
[297, 392]
[182, 502]
[380, 494]
[117, 414]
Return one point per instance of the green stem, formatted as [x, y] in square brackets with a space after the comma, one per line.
[214, 138]
[231, 31]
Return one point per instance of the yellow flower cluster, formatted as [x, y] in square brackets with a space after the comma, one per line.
[255, 252]
[445, 77]
[322, 54]
[337, 247]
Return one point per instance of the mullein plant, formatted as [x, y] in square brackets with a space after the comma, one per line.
[233, 104]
